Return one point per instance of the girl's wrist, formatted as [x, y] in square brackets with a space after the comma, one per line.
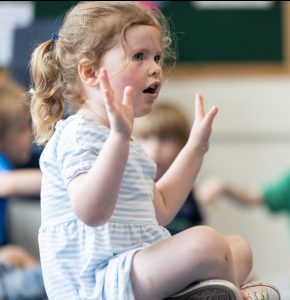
[197, 148]
[120, 138]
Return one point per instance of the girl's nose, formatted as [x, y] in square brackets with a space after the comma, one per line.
[155, 70]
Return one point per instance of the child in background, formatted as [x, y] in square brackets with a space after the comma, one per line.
[275, 196]
[20, 273]
[163, 133]
[15, 148]
[101, 234]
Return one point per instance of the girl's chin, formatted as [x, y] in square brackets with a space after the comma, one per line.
[145, 111]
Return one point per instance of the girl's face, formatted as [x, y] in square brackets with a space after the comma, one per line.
[143, 71]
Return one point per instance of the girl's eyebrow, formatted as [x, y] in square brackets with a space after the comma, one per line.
[146, 50]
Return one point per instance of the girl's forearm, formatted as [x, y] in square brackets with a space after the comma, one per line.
[175, 185]
[94, 194]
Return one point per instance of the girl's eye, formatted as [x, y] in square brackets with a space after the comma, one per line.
[157, 59]
[138, 56]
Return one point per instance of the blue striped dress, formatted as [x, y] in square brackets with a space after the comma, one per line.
[83, 262]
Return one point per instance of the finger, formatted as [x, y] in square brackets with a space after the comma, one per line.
[104, 80]
[199, 112]
[109, 101]
[128, 96]
[106, 89]
[211, 115]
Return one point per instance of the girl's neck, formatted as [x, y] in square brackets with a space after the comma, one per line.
[100, 117]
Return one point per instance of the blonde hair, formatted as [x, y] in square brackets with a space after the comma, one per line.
[166, 121]
[89, 30]
[13, 110]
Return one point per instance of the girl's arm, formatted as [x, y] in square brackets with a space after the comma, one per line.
[22, 182]
[94, 194]
[173, 187]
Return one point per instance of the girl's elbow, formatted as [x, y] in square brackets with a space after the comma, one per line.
[92, 220]
[91, 217]
[163, 220]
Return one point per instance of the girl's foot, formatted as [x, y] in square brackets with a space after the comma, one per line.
[215, 289]
[260, 291]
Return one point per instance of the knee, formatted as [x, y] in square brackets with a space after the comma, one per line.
[242, 249]
[211, 248]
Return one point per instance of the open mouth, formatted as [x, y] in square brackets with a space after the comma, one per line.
[152, 89]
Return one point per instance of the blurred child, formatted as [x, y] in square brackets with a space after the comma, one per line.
[275, 196]
[20, 273]
[15, 148]
[163, 133]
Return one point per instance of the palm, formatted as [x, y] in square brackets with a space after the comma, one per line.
[120, 114]
[201, 129]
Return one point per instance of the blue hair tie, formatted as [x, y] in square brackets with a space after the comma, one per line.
[54, 36]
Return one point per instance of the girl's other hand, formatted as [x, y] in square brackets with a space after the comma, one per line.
[201, 129]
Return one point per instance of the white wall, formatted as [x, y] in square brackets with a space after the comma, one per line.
[250, 145]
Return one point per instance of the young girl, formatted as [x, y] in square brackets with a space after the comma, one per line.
[101, 235]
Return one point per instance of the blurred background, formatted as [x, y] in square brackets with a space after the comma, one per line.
[237, 55]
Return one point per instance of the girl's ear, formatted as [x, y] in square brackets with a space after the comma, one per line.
[87, 73]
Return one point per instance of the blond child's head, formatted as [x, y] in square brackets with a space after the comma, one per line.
[89, 31]
[163, 133]
[15, 124]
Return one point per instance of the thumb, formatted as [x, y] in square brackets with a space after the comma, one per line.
[128, 96]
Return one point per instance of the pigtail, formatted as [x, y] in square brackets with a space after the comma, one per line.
[47, 103]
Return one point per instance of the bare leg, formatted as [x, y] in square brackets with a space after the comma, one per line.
[17, 256]
[198, 253]
[242, 260]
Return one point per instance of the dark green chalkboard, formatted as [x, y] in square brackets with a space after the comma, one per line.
[212, 36]
[45, 9]
[239, 35]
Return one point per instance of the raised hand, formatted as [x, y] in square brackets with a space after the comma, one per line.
[120, 113]
[202, 125]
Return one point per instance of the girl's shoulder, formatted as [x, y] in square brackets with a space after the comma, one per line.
[81, 130]
[73, 136]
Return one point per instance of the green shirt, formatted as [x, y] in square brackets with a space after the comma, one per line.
[277, 195]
